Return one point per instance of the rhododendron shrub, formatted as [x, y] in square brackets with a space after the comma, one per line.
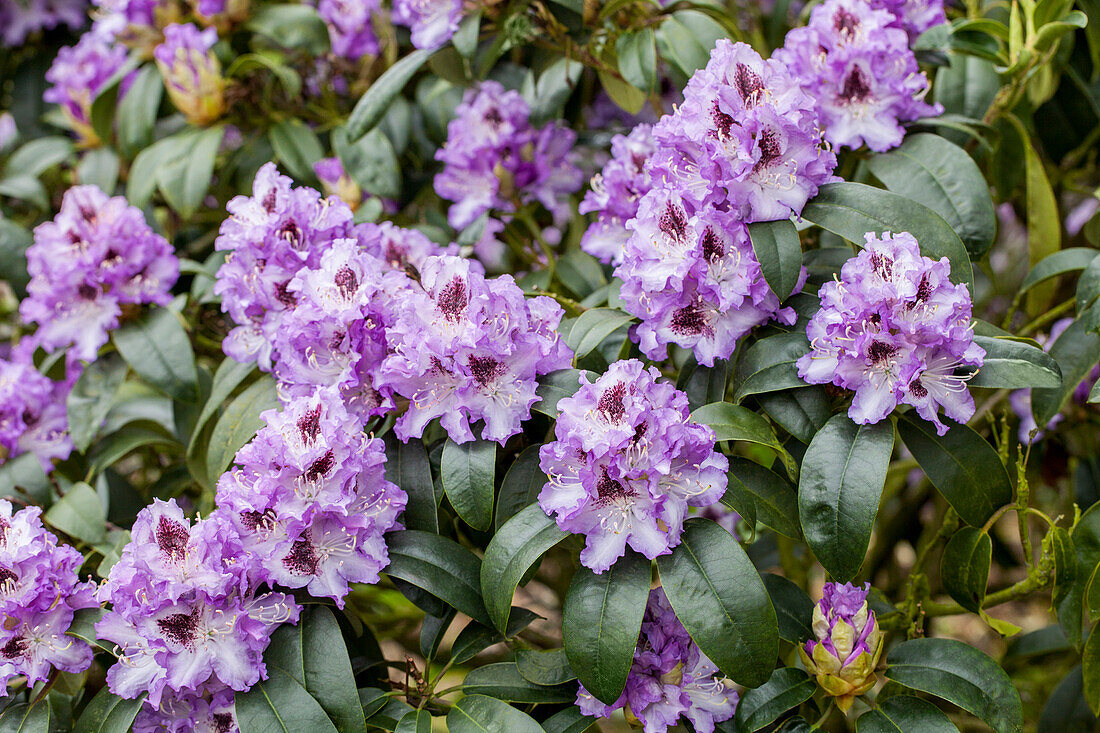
[447, 365]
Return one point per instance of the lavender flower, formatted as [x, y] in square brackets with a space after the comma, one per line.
[616, 192]
[913, 16]
[8, 130]
[192, 74]
[894, 329]
[847, 643]
[432, 22]
[77, 74]
[310, 500]
[350, 26]
[33, 415]
[494, 160]
[670, 678]
[39, 593]
[135, 23]
[627, 464]
[97, 255]
[465, 348]
[20, 19]
[865, 79]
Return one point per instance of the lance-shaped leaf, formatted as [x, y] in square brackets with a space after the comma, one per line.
[779, 252]
[515, 548]
[468, 471]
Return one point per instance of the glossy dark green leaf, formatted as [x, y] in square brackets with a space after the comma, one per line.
[637, 53]
[230, 375]
[843, 474]
[555, 386]
[733, 422]
[372, 106]
[905, 714]
[1064, 554]
[183, 175]
[593, 326]
[774, 499]
[370, 160]
[788, 687]
[23, 718]
[1090, 668]
[779, 251]
[389, 715]
[476, 638]
[1061, 262]
[964, 567]
[1077, 351]
[468, 471]
[407, 466]
[503, 681]
[83, 627]
[297, 147]
[108, 713]
[440, 566]
[1088, 285]
[521, 485]
[769, 365]
[1066, 710]
[291, 26]
[851, 210]
[432, 631]
[415, 721]
[14, 241]
[600, 622]
[137, 110]
[685, 45]
[1015, 365]
[91, 397]
[515, 548]
[793, 608]
[238, 424]
[482, 714]
[570, 720]
[960, 674]
[22, 477]
[79, 514]
[156, 346]
[628, 97]
[939, 174]
[546, 667]
[280, 704]
[721, 600]
[801, 412]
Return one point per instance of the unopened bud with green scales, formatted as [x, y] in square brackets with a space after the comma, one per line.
[847, 644]
[192, 73]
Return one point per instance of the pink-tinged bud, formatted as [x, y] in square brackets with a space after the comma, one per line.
[192, 74]
[847, 644]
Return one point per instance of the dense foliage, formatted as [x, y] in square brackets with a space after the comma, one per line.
[535, 366]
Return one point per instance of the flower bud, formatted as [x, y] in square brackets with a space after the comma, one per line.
[336, 182]
[847, 644]
[191, 72]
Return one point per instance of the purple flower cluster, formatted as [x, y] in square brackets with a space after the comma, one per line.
[189, 626]
[22, 18]
[669, 678]
[192, 74]
[96, 256]
[615, 194]
[495, 160]
[894, 329]
[627, 464]
[865, 79]
[465, 348]
[432, 22]
[33, 416]
[310, 501]
[39, 593]
[350, 26]
[745, 146]
[77, 75]
[913, 16]
[847, 643]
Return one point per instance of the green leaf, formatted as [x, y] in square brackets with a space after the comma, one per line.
[107, 450]
[476, 638]
[843, 474]
[961, 465]
[314, 655]
[407, 466]
[503, 681]
[292, 26]
[1015, 365]
[1090, 667]
[684, 44]
[441, 566]
[468, 471]
[230, 375]
[1088, 285]
[852, 210]
[788, 687]
[600, 622]
[1064, 554]
[801, 412]
[24, 718]
[733, 422]
[1059, 263]
[465, 38]
[238, 424]
[521, 485]
[774, 499]
[372, 106]
[281, 704]
[794, 609]
[1044, 224]
[297, 147]
[769, 365]
[108, 713]
[569, 720]
[1077, 350]
[79, 514]
[370, 160]
[637, 53]
[25, 188]
[547, 667]
[905, 714]
[960, 674]
[628, 97]
[481, 714]
[555, 386]
[721, 600]
[939, 174]
[99, 167]
[157, 347]
[1066, 709]
[514, 549]
[91, 397]
[965, 567]
[593, 326]
[779, 251]
[37, 156]
[137, 110]
[14, 241]
[415, 721]
[83, 627]
[23, 475]
[184, 174]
